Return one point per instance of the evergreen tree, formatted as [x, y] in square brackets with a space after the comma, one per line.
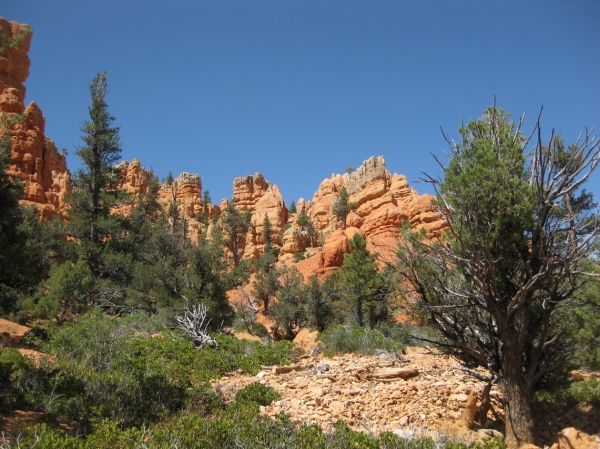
[318, 305]
[169, 179]
[26, 243]
[235, 225]
[361, 282]
[288, 312]
[342, 206]
[293, 208]
[303, 218]
[12, 239]
[99, 234]
[206, 199]
[267, 235]
[266, 280]
[503, 280]
[206, 280]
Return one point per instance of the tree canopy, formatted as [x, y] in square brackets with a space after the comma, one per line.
[500, 283]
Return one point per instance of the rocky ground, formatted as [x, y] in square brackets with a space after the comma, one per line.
[363, 391]
[417, 393]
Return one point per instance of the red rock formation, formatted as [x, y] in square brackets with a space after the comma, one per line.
[333, 251]
[34, 157]
[255, 194]
[319, 209]
[135, 177]
[247, 190]
[383, 201]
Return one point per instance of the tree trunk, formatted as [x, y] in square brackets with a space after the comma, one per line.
[520, 428]
[372, 317]
[359, 313]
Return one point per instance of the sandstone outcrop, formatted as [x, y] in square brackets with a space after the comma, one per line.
[272, 205]
[34, 157]
[319, 208]
[255, 194]
[187, 190]
[247, 190]
[135, 178]
[333, 251]
[383, 202]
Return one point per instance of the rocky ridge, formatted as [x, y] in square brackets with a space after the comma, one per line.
[34, 157]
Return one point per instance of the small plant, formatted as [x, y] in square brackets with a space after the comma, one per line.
[300, 256]
[259, 393]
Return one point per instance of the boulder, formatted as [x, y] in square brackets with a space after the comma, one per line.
[333, 251]
[571, 438]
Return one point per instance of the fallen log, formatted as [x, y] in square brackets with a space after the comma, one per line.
[392, 373]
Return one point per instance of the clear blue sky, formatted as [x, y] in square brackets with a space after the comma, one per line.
[300, 90]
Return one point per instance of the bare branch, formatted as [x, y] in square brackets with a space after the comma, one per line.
[194, 323]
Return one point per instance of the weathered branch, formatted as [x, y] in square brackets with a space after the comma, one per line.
[194, 323]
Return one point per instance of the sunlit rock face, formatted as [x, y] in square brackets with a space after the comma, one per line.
[383, 203]
[255, 194]
[34, 157]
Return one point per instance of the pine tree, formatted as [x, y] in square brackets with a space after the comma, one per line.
[342, 206]
[361, 282]
[288, 312]
[206, 199]
[12, 240]
[235, 225]
[293, 208]
[502, 283]
[267, 235]
[99, 234]
[303, 218]
[24, 243]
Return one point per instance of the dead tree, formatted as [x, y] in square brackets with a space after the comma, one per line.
[194, 323]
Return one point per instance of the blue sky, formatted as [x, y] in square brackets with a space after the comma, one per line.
[300, 90]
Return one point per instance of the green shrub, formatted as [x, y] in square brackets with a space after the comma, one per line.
[259, 393]
[299, 256]
[241, 427]
[107, 368]
[35, 336]
[15, 373]
[582, 392]
[355, 339]
[488, 443]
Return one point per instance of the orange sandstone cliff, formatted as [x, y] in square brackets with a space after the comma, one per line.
[255, 194]
[34, 157]
[384, 201]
